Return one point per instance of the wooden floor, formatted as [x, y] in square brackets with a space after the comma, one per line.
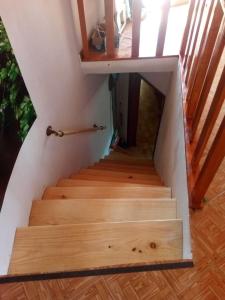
[205, 281]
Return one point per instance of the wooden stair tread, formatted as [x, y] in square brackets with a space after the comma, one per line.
[94, 182]
[102, 192]
[76, 211]
[120, 174]
[123, 179]
[44, 249]
[117, 168]
[138, 163]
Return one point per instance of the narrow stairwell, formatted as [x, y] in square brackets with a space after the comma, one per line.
[115, 213]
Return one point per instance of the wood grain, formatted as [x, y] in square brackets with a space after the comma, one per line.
[121, 179]
[98, 245]
[102, 192]
[85, 182]
[77, 211]
[121, 174]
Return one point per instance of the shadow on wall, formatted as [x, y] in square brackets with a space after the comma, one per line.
[17, 113]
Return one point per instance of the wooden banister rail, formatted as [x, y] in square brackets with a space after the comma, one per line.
[200, 57]
[191, 33]
[205, 52]
[210, 121]
[187, 28]
[192, 58]
[210, 167]
[136, 27]
[110, 32]
[211, 72]
[163, 28]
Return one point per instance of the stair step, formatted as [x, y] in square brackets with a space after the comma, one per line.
[95, 182]
[75, 211]
[118, 179]
[101, 192]
[127, 176]
[116, 168]
[61, 248]
[131, 162]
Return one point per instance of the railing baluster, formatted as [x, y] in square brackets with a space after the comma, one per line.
[200, 68]
[83, 28]
[214, 159]
[211, 72]
[190, 65]
[190, 40]
[109, 17]
[163, 28]
[187, 29]
[214, 111]
[136, 27]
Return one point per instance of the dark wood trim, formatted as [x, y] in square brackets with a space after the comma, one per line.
[99, 272]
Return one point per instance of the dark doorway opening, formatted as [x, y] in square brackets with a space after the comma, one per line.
[145, 108]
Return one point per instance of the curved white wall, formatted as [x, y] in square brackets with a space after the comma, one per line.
[43, 38]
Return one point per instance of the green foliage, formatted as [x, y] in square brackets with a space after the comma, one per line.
[13, 93]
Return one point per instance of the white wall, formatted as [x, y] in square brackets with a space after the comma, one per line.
[170, 157]
[43, 38]
[159, 80]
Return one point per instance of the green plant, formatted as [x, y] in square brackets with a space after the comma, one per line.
[13, 92]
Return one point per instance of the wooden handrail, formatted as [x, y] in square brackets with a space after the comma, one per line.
[163, 28]
[136, 27]
[61, 133]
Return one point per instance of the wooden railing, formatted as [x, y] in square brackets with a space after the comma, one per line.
[110, 53]
[201, 53]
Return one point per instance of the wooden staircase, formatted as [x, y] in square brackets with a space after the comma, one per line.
[115, 213]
